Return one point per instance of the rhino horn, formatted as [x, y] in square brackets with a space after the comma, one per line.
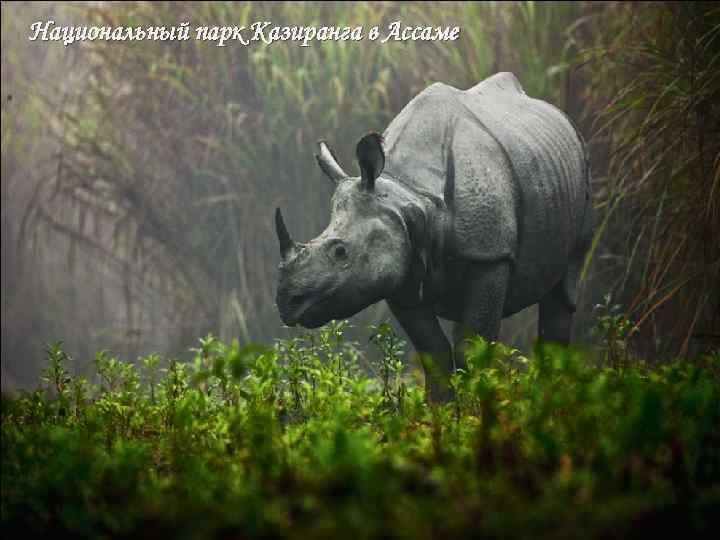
[328, 163]
[287, 245]
[371, 157]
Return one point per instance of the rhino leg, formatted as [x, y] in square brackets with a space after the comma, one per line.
[485, 290]
[558, 306]
[427, 336]
[556, 313]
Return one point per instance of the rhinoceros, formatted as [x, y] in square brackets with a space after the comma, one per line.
[472, 206]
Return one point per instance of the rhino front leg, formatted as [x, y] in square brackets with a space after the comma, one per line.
[427, 336]
[484, 299]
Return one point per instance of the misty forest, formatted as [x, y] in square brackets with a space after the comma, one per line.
[149, 385]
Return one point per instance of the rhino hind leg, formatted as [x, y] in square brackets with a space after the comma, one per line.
[559, 305]
[556, 311]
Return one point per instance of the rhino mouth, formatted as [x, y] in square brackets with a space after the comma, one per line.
[314, 313]
[310, 313]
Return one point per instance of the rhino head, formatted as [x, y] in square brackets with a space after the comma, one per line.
[359, 259]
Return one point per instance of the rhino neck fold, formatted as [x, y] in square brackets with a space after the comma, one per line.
[427, 222]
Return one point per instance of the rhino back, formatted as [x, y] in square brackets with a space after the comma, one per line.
[520, 190]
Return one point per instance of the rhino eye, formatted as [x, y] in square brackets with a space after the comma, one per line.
[340, 252]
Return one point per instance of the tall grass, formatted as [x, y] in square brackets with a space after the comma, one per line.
[657, 80]
[37, 287]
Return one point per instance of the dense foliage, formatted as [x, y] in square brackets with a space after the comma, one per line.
[294, 441]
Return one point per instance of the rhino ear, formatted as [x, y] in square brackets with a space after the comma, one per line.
[328, 163]
[371, 157]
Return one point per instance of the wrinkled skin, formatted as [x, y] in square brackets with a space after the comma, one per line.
[473, 206]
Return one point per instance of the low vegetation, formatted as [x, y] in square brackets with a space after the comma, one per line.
[296, 440]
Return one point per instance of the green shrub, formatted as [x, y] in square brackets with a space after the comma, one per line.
[295, 441]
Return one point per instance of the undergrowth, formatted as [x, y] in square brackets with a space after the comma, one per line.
[296, 441]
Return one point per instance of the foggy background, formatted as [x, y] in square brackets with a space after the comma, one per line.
[139, 179]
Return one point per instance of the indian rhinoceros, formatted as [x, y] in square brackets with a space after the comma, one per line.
[472, 206]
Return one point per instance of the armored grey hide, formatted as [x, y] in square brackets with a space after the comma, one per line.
[484, 197]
